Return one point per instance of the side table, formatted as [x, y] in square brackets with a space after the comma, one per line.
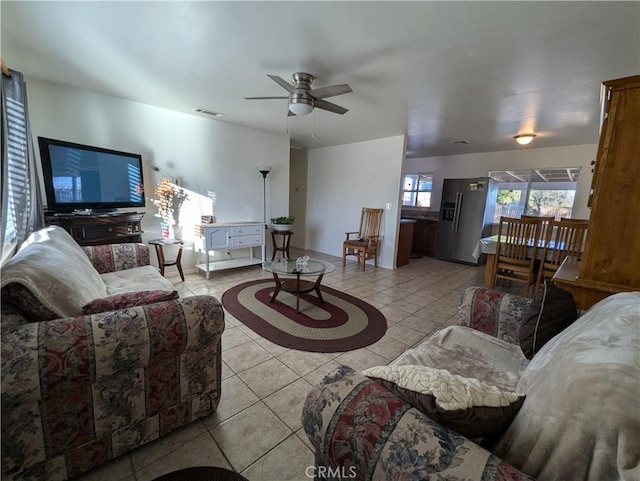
[162, 262]
[286, 240]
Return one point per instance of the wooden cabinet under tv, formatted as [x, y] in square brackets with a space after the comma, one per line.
[94, 229]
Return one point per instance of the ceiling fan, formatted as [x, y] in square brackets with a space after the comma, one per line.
[302, 98]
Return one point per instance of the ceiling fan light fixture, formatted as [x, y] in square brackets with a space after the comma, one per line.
[301, 107]
[525, 139]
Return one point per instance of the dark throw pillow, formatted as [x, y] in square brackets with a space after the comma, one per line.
[551, 311]
[126, 300]
[466, 405]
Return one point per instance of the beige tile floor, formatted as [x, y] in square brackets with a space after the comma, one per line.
[256, 430]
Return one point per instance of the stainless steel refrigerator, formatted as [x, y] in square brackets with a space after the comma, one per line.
[466, 215]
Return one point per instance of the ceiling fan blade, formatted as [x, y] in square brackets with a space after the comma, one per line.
[324, 105]
[282, 82]
[264, 98]
[330, 91]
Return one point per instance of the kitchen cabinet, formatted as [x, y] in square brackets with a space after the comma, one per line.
[227, 238]
[611, 259]
[424, 237]
[405, 241]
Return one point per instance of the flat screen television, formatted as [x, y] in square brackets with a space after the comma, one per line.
[80, 177]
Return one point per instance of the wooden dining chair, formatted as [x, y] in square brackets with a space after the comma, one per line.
[516, 250]
[569, 219]
[564, 238]
[366, 241]
[544, 224]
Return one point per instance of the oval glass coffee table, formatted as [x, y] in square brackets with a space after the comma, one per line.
[297, 286]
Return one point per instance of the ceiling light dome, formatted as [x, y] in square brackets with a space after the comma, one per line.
[524, 139]
[300, 105]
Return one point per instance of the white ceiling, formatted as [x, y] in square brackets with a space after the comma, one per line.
[439, 71]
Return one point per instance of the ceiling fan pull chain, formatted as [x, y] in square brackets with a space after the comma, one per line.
[314, 125]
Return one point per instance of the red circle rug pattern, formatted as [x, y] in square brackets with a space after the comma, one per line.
[341, 323]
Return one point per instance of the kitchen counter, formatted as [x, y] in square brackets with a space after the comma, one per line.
[433, 216]
[419, 213]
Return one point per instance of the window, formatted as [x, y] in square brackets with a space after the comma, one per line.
[416, 191]
[15, 184]
[536, 192]
[21, 211]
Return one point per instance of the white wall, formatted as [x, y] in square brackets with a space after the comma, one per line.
[298, 194]
[344, 179]
[479, 165]
[212, 159]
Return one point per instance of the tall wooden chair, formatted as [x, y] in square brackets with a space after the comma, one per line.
[564, 238]
[516, 249]
[365, 244]
[544, 225]
[569, 219]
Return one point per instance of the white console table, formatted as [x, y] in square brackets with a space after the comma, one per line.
[228, 236]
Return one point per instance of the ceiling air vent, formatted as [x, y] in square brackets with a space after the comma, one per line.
[459, 142]
[208, 112]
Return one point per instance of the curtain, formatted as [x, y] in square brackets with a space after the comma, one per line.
[22, 211]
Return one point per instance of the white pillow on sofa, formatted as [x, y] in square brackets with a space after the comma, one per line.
[467, 405]
[55, 269]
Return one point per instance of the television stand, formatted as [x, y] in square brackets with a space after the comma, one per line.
[103, 211]
[94, 229]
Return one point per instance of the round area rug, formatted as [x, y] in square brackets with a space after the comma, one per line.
[341, 323]
[202, 473]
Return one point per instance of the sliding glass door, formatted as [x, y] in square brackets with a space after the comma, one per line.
[546, 192]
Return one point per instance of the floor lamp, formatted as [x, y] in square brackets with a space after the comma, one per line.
[264, 170]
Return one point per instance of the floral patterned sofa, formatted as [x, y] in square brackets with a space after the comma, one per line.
[90, 378]
[579, 419]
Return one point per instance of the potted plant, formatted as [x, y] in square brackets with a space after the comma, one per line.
[283, 223]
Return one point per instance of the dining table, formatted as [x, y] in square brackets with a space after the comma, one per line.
[488, 245]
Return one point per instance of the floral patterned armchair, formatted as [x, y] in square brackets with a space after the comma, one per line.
[362, 431]
[79, 391]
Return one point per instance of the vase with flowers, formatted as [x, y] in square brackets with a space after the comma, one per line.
[169, 200]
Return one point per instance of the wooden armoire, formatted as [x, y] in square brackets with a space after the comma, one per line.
[611, 259]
